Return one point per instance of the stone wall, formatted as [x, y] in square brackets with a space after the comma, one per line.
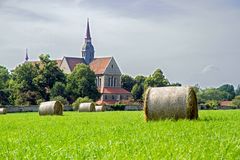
[15, 109]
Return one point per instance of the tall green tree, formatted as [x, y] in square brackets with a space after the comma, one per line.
[138, 89]
[127, 82]
[23, 86]
[157, 79]
[48, 74]
[81, 83]
[58, 89]
[5, 93]
[4, 77]
[228, 89]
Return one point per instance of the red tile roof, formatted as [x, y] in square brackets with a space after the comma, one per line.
[225, 103]
[73, 61]
[110, 90]
[99, 65]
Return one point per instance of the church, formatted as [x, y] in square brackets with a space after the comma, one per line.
[108, 74]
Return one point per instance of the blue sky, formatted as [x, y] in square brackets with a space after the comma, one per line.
[193, 42]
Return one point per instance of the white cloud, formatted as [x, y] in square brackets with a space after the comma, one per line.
[209, 69]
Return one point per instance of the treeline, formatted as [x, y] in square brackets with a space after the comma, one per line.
[210, 97]
[34, 82]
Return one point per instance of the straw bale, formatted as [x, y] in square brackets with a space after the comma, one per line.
[51, 108]
[86, 107]
[3, 111]
[170, 103]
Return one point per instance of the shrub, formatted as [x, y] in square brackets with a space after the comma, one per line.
[61, 99]
[212, 104]
[39, 101]
[236, 101]
[118, 107]
[79, 101]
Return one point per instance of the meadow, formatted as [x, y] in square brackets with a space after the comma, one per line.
[119, 135]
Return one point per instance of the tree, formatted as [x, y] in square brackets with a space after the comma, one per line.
[58, 89]
[5, 95]
[157, 79]
[138, 89]
[211, 94]
[127, 82]
[48, 74]
[237, 92]
[81, 83]
[5, 92]
[22, 84]
[140, 79]
[4, 77]
[228, 89]
[236, 101]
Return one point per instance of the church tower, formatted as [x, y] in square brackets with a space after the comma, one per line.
[88, 49]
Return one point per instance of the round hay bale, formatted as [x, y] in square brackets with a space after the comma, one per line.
[100, 108]
[51, 108]
[3, 111]
[86, 107]
[170, 102]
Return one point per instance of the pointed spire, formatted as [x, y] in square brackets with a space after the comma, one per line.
[88, 36]
[26, 57]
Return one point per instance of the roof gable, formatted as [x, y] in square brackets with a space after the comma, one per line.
[112, 68]
[73, 61]
[99, 65]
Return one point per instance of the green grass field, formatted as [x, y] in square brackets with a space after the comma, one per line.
[119, 135]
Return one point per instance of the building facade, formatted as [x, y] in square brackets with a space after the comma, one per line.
[108, 74]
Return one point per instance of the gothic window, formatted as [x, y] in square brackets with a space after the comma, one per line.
[112, 65]
[109, 81]
[112, 96]
[112, 81]
[115, 82]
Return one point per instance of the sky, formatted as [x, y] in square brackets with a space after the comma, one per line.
[192, 42]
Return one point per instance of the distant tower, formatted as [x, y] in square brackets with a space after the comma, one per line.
[26, 56]
[88, 49]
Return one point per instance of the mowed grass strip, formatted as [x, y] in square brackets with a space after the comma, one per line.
[119, 135]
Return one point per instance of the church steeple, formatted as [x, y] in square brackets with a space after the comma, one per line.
[88, 36]
[88, 49]
[26, 56]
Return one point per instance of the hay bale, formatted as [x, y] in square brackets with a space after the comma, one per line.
[86, 107]
[170, 102]
[100, 108]
[3, 111]
[51, 108]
